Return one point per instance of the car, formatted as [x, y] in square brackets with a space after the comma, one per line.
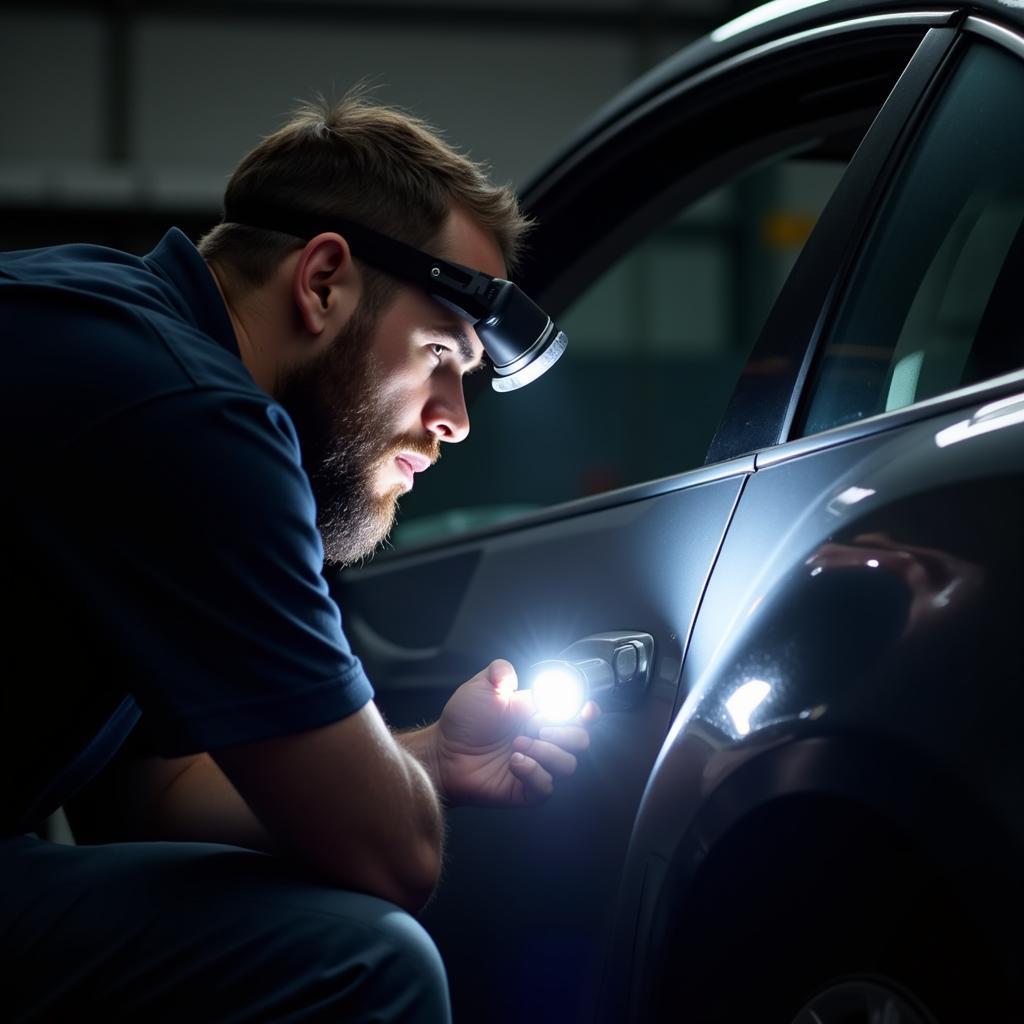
[781, 468]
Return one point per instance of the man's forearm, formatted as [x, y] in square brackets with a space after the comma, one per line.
[192, 799]
[150, 798]
[201, 803]
[198, 803]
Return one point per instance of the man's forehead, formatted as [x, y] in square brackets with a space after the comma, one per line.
[462, 240]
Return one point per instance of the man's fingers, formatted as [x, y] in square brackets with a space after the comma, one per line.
[560, 763]
[568, 737]
[537, 783]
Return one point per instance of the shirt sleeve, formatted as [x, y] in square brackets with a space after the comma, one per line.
[209, 584]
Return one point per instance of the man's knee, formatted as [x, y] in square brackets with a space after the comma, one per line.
[234, 934]
[396, 965]
[416, 956]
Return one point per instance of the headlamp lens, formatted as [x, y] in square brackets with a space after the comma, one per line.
[549, 352]
[520, 339]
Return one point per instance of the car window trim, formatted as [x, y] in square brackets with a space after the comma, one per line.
[695, 477]
[763, 408]
[948, 401]
[1008, 38]
[935, 18]
[1004, 386]
[993, 389]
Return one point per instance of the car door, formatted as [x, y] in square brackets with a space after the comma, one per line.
[833, 827]
[689, 168]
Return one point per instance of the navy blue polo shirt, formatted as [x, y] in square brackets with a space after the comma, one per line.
[160, 549]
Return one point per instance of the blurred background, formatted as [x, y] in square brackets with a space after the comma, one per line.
[120, 115]
[122, 119]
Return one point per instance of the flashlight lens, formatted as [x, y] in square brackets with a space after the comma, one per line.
[559, 693]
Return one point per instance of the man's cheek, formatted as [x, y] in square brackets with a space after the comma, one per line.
[376, 480]
[399, 403]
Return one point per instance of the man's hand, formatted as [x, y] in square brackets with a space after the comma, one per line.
[938, 582]
[490, 748]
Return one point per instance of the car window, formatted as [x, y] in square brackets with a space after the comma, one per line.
[656, 345]
[932, 305]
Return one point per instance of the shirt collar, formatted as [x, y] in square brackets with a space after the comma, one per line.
[178, 261]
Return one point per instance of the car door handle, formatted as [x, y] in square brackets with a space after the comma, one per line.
[612, 668]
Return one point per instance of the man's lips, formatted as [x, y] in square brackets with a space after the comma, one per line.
[411, 464]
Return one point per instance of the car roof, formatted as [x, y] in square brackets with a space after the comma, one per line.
[774, 20]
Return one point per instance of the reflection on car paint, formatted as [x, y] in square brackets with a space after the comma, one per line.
[1005, 413]
[847, 497]
[745, 701]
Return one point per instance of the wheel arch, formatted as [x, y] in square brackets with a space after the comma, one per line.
[797, 815]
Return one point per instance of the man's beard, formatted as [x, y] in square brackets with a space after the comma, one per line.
[345, 424]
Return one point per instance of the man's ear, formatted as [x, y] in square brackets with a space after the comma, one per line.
[326, 284]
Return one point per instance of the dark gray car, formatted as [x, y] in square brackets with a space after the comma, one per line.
[810, 810]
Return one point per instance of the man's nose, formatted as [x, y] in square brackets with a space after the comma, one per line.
[445, 414]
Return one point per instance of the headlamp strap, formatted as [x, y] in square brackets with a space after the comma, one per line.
[469, 291]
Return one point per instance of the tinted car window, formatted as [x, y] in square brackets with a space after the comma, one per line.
[662, 336]
[932, 305]
[656, 345]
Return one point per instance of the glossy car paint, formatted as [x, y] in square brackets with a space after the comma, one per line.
[791, 673]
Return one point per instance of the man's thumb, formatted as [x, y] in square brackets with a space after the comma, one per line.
[502, 676]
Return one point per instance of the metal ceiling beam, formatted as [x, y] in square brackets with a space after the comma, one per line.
[117, 80]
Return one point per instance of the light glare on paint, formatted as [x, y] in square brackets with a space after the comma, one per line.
[745, 701]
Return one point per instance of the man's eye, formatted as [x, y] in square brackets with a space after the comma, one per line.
[438, 350]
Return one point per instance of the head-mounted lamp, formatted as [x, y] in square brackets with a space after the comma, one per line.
[520, 339]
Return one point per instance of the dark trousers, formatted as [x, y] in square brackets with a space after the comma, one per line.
[199, 932]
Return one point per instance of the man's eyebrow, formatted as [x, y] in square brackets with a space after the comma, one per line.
[460, 339]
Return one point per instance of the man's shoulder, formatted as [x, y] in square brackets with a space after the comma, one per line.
[93, 333]
[49, 263]
[77, 279]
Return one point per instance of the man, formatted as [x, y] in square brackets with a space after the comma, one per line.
[188, 436]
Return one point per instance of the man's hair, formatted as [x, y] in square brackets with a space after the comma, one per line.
[368, 163]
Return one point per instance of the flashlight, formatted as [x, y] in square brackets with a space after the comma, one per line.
[611, 668]
[520, 339]
[561, 688]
